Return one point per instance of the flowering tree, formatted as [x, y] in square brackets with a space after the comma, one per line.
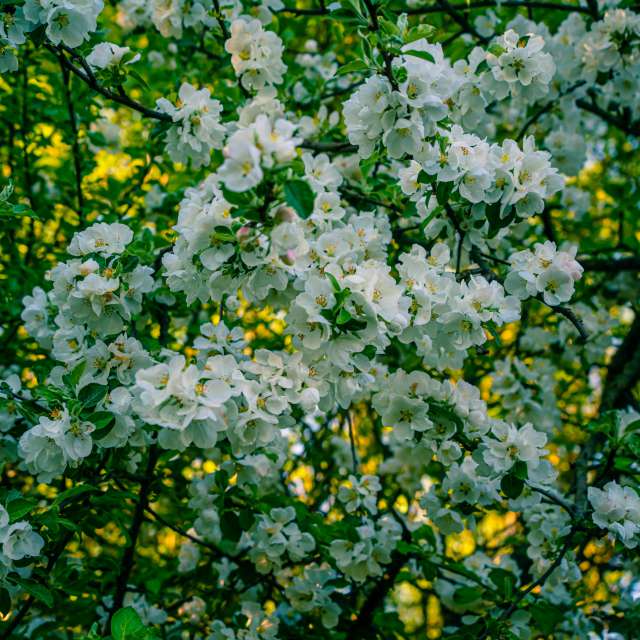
[319, 320]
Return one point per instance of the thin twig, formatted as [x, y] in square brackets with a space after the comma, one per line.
[352, 441]
[75, 146]
[542, 579]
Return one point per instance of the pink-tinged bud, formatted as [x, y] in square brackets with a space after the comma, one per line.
[225, 152]
[289, 257]
[285, 214]
[243, 233]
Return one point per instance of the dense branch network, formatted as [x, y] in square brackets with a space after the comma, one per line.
[310, 340]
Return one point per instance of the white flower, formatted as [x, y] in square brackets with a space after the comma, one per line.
[318, 296]
[70, 21]
[513, 445]
[105, 239]
[321, 172]
[197, 129]
[107, 54]
[556, 286]
[256, 54]
[241, 169]
[19, 541]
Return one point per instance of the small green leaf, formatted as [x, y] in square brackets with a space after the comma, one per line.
[505, 581]
[511, 486]
[546, 616]
[19, 508]
[126, 625]
[423, 55]
[520, 470]
[353, 66]
[237, 197]
[420, 31]
[466, 595]
[230, 526]
[73, 377]
[300, 196]
[92, 394]
[493, 330]
[343, 317]
[334, 283]
[78, 490]
[425, 532]
[36, 590]
[134, 74]
[101, 419]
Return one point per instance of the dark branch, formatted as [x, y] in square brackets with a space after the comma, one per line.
[630, 263]
[90, 80]
[126, 565]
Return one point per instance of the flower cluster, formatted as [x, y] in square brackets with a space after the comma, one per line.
[319, 366]
[197, 129]
[616, 508]
[277, 537]
[54, 443]
[367, 556]
[67, 21]
[256, 54]
[545, 271]
[519, 65]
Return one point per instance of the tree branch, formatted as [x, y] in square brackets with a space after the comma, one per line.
[629, 263]
[483, 4]
[75, 146]
[631, 128]
[90, 80]
[128, 557]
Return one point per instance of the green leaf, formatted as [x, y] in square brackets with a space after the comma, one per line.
[343, 317]
[246, 518]
[230, 526]
[78, 490]
[101, 419]
[443, 191]
[19, 211]
[389, 27]
[505, 581]
[493, 330]
[19, 508]
[352, 5]
[420, 31]
[300, 196]
[353, 66]
[239, 198]
[73, 377]
[36, 590]
[466, 595]
[334, 283]
[354, 325]
[429, 570]
[497, 218]
[423, 55]
[92, 394]
[546, 616]
[512, 486]
[425, 532]
[520, 470]
[126, 625]
[134, 74]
